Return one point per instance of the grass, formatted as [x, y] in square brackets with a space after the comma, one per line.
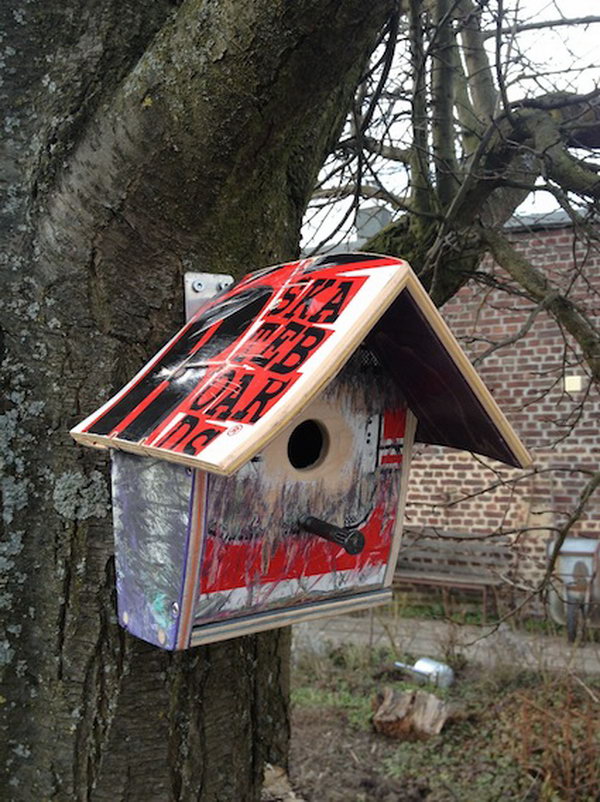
[477, 774]
[357, 708]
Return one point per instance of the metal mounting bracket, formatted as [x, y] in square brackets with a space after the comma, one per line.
[199, 287]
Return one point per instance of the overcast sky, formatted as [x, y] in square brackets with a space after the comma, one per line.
[572, 54]
[540, 61]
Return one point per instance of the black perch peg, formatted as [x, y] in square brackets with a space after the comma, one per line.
[350, 539]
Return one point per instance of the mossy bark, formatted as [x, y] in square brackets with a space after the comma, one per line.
[141, 140]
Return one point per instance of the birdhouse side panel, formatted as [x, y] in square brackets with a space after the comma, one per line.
[152, 517]
[341, 462]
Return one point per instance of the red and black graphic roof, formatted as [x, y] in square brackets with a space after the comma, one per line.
[255, 355]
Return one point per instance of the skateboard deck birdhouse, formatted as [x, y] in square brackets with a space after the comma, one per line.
[260, 459]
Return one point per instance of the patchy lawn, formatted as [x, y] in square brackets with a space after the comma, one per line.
[515, 735]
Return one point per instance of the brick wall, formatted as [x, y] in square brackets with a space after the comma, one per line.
[561, 429]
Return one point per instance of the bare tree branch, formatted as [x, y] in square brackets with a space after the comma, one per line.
[542, 24]
[572, 174]
[478, 66]
[541, 290]
[443, 96]
[402, 155]
[558, 100]
[364, 191]
[518, 335]
[587, 492]
[388, 58]
[422, 191]
[471, 126]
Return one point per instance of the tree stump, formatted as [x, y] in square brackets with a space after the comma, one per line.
[409, 715]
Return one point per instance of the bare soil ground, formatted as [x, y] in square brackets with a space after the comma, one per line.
[334, 761]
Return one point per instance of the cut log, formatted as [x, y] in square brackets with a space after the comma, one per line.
[409, 715]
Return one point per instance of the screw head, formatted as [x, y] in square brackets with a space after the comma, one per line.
[355, 542]
[174, 610]
[197, 285]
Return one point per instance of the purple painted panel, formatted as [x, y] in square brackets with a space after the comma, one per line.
[151, 509]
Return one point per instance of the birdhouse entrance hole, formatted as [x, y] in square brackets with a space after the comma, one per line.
[307, 445]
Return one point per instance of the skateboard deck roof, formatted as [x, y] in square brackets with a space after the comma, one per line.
[255, 355]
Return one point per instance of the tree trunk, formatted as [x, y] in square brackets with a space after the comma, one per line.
[141, 140]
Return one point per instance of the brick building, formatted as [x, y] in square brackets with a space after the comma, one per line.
[542, 385]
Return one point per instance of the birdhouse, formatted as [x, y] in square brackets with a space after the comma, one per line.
[260, 460]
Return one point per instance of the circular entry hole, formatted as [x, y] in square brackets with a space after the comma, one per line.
[307, 444]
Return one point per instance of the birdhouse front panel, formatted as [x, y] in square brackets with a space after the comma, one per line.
[200, 555]
[340, 462]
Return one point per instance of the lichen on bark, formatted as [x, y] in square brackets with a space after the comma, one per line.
[142, 140]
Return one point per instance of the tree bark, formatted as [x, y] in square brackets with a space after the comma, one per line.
[141, 140]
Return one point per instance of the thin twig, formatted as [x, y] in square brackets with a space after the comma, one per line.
[587, 689]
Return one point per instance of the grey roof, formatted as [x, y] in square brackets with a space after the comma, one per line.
[531, 222]
[523, 222]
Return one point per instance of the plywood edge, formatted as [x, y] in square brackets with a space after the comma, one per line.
[193, 557]
[471, 376]
[103, 442]
[88, 440]
[407, 453]
[212, 633]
